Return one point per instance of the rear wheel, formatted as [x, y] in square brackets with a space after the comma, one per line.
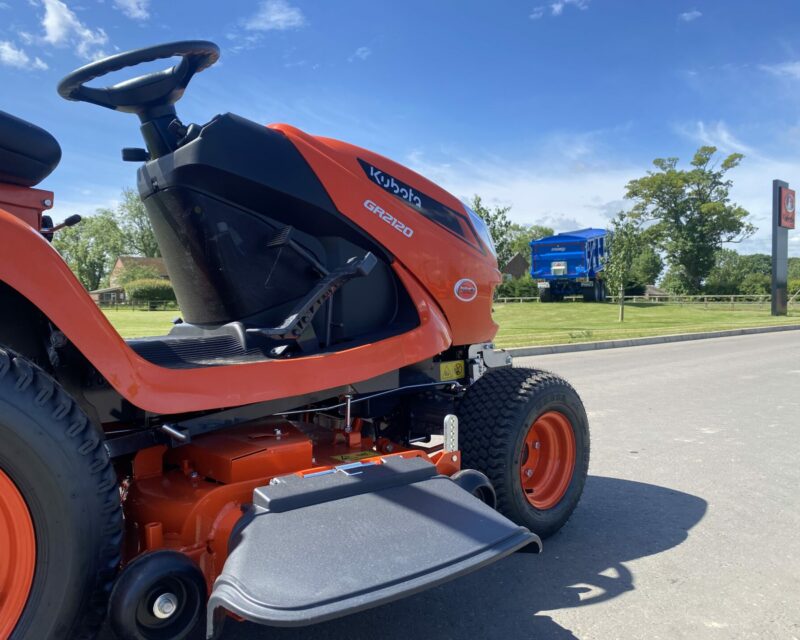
[527, 430]
[60, 515]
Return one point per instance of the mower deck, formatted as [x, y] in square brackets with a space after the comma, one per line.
[324, 545]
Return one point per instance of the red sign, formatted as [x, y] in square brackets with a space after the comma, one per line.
[787, 208]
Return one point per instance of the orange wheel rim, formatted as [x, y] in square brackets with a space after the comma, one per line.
[547, 460]
[17, 555]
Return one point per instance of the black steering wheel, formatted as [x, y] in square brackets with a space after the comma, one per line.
[144, 94]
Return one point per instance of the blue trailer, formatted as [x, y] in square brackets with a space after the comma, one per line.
[570, 264]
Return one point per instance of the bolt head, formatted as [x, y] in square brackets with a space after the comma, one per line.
[454, 458]
[165, 606]
[47, 202]
[528, 473]
[537, 445]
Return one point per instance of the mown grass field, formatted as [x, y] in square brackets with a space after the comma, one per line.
[532, 323]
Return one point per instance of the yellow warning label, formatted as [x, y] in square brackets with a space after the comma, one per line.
[451, 370]
[358, 455]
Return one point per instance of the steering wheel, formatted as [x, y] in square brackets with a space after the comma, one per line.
[145, 93]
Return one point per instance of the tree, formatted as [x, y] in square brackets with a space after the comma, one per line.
[499, 225]
[133, 221]
[624, 240]
[690, 212]
[727, 274]
[646, 267]
[91, 247]
[520, 236]
[755, 284]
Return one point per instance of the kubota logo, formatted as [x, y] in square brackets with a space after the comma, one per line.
[388, 218]
[466, 290]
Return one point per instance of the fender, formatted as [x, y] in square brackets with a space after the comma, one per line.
[34, 268]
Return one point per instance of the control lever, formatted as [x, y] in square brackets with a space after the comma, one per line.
[48, 230]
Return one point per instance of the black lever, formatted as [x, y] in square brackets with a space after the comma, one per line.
[297, 325]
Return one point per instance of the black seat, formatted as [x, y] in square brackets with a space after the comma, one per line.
[28, 154]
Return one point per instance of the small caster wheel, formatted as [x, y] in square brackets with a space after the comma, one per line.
[159, 596]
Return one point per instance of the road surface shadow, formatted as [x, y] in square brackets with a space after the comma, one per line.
[617, 521]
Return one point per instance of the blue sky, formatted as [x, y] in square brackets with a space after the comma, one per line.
[549, 107]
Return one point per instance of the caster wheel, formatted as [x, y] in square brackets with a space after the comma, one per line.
[159, 596]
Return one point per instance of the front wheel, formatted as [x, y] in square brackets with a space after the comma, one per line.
[60, 515]
[527, 430]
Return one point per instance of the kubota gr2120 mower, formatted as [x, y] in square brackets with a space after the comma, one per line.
[331, 393]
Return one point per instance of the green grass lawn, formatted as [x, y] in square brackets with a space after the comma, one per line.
[533, 323]
[136, 324]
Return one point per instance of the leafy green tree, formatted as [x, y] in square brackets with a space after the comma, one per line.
[646, 267]
[499, 225]
[727, 274]
[755, 284]
[520, 236]
[624, 240]
[690, 212]
[132, 219]
[674, 282]
[794, 268]
[91, 247]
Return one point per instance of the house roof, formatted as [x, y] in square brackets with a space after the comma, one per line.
[517, 266]
[156, 264]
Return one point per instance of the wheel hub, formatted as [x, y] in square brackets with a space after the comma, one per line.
[17, 554]
[548, 460]
[165, 606]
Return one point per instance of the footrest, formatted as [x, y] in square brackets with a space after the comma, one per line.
[322, 546]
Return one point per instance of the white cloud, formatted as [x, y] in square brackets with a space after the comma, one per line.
[690, 16]
[11, 56]
[62, 28]
[717, 135]
[275, 15]
[557, 8]
[553, 192]
[362, 53]
[784, 69]
[569, 186]
[134, 9]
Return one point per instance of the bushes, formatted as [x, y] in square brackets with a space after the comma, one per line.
[150, 289]
[524, 287]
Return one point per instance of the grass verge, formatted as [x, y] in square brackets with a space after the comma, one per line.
[532, 323]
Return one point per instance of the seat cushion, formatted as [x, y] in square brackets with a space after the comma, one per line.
[28, 154]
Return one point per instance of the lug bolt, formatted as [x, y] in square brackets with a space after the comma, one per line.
[165, 605]
[537, 445]
[528, 473]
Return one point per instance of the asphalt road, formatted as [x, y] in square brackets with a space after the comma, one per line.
[689, 526]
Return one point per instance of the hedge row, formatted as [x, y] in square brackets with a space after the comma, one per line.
[149, 289]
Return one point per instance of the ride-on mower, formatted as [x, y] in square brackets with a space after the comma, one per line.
[326, 429]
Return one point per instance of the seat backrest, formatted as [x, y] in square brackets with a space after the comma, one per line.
[28, 154]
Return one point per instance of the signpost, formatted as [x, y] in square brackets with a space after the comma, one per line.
[783, 219]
